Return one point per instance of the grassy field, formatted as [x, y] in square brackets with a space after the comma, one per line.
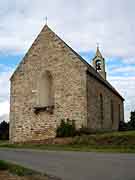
[104, 142]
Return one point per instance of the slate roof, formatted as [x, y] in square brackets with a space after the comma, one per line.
[90, 70]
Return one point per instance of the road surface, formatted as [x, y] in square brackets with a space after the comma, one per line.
[75, 165]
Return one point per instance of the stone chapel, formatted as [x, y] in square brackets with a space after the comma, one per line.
[52, 83]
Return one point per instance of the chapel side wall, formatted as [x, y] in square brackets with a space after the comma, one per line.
[12, 128]
[70, 99]
[94, 89]
[122, 111]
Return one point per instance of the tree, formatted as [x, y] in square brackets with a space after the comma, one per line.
[132, 120]
[4, 130]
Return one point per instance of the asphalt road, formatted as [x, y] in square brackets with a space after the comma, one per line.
[75, 165]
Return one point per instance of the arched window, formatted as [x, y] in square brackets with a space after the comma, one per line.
[46, 90]
[112, 112]
[101, 110]
[119, 112]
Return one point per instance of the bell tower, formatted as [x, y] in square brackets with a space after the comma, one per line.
[98, 63]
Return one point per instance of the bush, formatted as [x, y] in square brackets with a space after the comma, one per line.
[83, 131]
[66, 129]
[3, 165]
[123, 126]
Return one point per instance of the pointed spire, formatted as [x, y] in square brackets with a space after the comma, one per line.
[98, 53]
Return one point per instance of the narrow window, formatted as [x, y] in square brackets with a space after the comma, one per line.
[119, 112]
[101, 110]
[112, 109]
[46, 91]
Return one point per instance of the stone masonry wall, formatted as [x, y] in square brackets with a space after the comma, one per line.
[49, 53]
[95, 89]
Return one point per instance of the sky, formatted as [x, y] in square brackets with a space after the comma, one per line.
[81, 24]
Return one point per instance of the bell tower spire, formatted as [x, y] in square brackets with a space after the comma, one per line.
[99, 63]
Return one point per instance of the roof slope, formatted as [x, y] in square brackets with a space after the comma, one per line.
[90, 70]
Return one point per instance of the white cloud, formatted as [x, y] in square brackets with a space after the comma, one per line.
[126, 87]
[4, 107]
[129, 60]
[124, 69]
[4, 117]
[81, 23]
[5, 73]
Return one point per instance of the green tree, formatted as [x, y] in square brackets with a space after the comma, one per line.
[4, 130]
[132, 120]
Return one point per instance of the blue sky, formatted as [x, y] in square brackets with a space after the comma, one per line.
[81, 24]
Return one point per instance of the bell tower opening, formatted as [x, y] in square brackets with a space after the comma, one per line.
[99, 63]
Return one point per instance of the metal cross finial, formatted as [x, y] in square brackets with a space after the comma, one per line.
[46, 19]
[97, 45]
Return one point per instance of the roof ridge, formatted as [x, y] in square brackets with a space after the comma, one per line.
[90, 69]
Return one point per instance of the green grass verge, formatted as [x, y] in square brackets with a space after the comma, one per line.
[123, 142]
[16, 169]
[83, 148]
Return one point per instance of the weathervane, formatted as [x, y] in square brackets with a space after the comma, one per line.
[46, 19]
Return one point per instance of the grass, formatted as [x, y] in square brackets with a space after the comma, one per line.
[120, 133]
[16, 169]
[123, 142]
[83, 148]
[3, 141]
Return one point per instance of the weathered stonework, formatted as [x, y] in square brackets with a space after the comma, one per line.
[75, 92]
[94, 90]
